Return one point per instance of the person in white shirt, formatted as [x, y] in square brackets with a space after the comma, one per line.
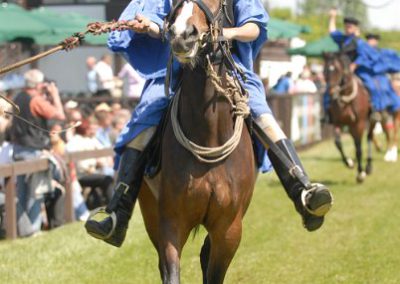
[304, 84]
[135, 82]
[105, 76]
[91, 76]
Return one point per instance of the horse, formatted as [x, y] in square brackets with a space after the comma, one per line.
[188, 192]
[350, 106]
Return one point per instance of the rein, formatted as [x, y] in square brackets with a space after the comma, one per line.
[233, 94]
[338, 89]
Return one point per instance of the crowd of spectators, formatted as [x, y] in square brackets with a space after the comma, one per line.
[64, 128]
[308, 82]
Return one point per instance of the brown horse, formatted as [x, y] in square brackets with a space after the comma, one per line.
[187, 192]
[349, 107]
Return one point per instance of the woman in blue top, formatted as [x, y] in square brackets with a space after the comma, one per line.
[143, 48]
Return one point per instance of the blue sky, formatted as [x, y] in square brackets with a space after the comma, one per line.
[385, 18]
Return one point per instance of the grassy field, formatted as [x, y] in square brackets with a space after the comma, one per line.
[359, 243]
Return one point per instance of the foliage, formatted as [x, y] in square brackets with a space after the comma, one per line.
[358, 243]
[354, 8]
[318, 22]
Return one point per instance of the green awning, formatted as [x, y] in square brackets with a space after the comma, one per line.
[15, 23]
[316, 48]
[64, 25]
[280, 29]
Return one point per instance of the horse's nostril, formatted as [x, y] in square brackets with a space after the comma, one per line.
[190, 31]
[172, 31]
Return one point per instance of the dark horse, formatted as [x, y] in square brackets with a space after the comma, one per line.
[350, 107]
[188, 193]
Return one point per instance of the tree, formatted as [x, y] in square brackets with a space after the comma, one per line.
[354, 8]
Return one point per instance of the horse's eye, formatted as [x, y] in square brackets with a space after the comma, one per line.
[331, 67]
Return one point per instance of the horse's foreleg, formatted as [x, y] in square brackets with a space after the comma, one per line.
[204, 257]
[224, 243]
[172, 237]
[338, 142]
[370, 139]
[361, 174]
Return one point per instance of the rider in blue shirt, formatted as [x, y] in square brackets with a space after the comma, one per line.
[348, 43]
[384, 98]
[149, 55]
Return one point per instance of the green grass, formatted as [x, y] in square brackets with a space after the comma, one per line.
[359, 242]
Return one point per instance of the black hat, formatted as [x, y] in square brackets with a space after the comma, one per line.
[351, 20]
[372, 36]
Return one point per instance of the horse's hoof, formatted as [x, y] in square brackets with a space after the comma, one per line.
[361, 177]
[350, 163]
[368, 169]
[391, 155]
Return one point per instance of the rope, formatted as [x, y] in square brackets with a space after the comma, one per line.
[241, 110]
[353, 95]
[15, 114]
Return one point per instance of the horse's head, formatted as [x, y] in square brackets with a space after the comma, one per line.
[191, 25]
[336, 69]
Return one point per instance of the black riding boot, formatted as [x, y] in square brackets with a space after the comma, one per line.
[312, 201]
[112, 229]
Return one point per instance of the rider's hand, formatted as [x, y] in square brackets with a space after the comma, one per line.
[333, 13]
[229, 33]
[353, 67]
[140, 24]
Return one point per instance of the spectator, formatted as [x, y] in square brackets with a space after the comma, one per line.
[103, 115]
[38, 103]
[74, 116]
[105, 76]
[92, 173]
[135, 82]
[115, 109]
[284, 84]
[4, 119]
[56, 200]
[91, 76]
[304, 84]
[318, 79]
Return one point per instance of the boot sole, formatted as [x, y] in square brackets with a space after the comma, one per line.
[321, 202]
[91, 231]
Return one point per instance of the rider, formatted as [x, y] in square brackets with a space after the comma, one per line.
[389, 101]
[348, 43]
[148, 54]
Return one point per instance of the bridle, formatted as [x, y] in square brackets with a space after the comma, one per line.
[206, 39]
[212, 43]
[337, 89]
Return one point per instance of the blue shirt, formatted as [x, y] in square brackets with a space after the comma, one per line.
[282, 86]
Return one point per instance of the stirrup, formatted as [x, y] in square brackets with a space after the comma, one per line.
[113, 216]
[324, 207]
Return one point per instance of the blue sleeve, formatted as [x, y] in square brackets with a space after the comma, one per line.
[392, 59]
[367, 56]
[338, 37]
[120, 41]
[252, 11]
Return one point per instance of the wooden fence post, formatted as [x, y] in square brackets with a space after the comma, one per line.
[69, 197]
[11, 209]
